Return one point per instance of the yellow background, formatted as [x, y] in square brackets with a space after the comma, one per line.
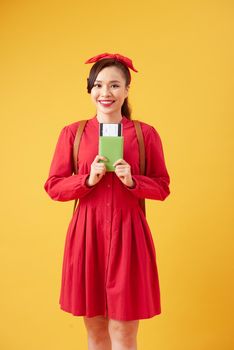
[184, 53]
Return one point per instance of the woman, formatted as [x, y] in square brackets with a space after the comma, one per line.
[109, 271]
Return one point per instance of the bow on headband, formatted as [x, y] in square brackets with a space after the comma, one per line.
[125, 60]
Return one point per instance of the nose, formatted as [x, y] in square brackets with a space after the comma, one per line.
[105, 91]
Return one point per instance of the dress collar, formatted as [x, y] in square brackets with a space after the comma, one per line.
[124, 120]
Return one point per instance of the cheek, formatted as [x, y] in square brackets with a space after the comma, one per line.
[120, 95]
[93, 95]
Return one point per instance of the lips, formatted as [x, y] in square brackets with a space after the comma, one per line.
[106, 103]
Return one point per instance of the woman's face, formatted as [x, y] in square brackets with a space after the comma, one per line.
[109, 91]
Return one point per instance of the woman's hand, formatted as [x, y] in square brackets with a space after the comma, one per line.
[123, 171]
[98, 170]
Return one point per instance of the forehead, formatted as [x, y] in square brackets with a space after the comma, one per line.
[110, 73]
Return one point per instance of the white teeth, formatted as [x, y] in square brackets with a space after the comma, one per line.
[106, 102]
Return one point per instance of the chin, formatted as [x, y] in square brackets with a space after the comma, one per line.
[107, 111]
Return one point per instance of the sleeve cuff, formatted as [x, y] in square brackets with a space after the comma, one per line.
[84, 182]
[135, 185]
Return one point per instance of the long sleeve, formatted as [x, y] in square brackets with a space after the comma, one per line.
[155, 183]
[61, 185]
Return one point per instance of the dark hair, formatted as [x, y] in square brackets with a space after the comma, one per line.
[108, 62]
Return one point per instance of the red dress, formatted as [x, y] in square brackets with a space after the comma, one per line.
[109, 264]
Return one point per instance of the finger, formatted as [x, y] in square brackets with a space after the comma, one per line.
[99, 165]
[119, 161]
[125, 166]
[99, 157]
[100, 171]
[123, 173]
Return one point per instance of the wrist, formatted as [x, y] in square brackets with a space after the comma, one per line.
[87, 182]
[133, 184]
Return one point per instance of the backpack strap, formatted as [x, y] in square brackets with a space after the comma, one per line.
[141, 146]
[141, 155]
[77, 144]
[140, 139]
[76, 150]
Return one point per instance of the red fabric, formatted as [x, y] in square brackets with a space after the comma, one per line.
[109, 263]
[125, 60]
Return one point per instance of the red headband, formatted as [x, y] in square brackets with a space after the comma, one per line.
[125, 60]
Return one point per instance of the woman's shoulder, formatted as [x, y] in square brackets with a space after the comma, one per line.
[72, 127]
[147, 129]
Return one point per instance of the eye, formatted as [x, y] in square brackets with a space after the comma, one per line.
[115, 85]
[97, 85]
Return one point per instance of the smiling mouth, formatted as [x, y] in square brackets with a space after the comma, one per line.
[106, 103]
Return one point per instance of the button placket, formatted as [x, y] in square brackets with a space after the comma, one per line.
[108, 220]
[108, 205]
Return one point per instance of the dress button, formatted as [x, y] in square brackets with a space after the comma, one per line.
[108, 204]
[108, 186]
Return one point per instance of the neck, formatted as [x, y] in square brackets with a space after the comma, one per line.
[107, 118]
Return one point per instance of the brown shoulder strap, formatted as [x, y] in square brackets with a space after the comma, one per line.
[142, 156]
[141, 145]
[77, 144]
[76, 149]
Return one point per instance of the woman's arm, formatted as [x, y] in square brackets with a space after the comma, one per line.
[155, 183]
[61, 185]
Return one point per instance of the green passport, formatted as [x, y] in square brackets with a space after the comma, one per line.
[111, 147]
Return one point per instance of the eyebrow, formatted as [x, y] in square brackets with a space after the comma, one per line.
[112, 81]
